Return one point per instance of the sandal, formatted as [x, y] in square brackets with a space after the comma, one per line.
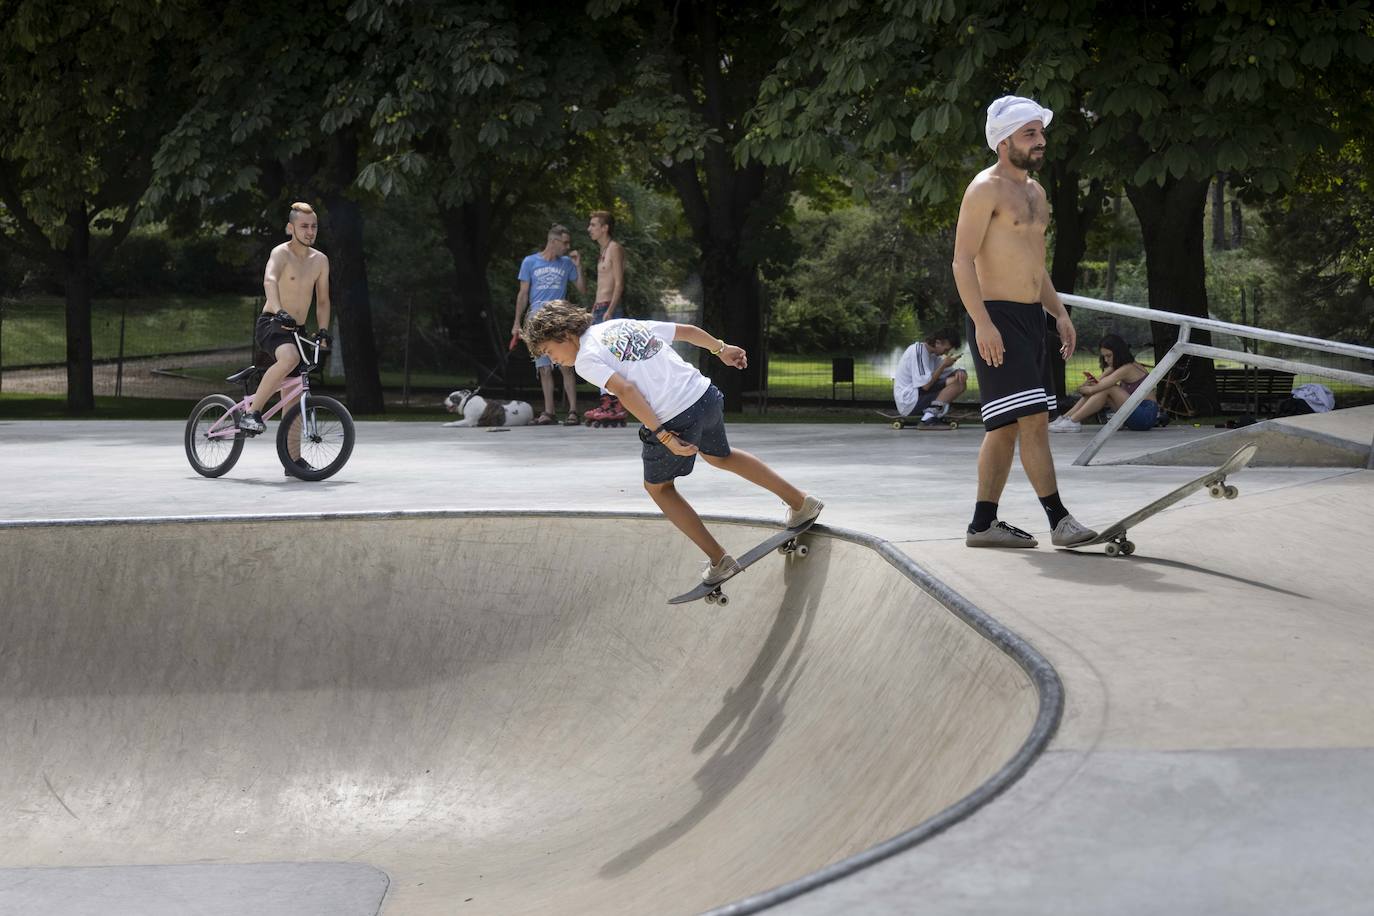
[573, 419]
[544, 419]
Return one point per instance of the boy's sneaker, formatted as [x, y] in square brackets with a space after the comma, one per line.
[999, 534]
[251, 422]
[810, 508]
[716, 573]
[1069, 533]
[1065, 425]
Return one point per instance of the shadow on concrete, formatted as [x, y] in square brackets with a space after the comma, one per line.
[1134, 572]
[751, 713]
[282, 481]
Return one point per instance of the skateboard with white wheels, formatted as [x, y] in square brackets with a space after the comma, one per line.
[1214, 482]
[784, 542]
[900, 422]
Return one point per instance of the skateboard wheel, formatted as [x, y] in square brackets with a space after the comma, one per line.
[711, 598]
[802, 550]
[1113, 549]
[1127, 548]
[896, 424]
[1216, 491]
[723, 600]
[953, 424]
[1231, 492]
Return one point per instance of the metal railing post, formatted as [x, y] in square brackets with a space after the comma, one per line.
[1145, 387]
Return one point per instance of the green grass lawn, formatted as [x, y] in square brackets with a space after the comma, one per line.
[54, 407]
[392, 379]
[809, 377]
[35, 332]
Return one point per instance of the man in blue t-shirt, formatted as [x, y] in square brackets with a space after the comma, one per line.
[544, 277]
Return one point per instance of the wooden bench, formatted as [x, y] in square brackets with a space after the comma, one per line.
[1238, 389]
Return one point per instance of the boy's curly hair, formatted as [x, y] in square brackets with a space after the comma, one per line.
[555, 320]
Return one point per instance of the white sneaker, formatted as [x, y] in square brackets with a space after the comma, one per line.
[810, 508]
[1065, 425]
[719, 572]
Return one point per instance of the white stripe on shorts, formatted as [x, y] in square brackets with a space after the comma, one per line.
[1029, 402]
[1013, 402]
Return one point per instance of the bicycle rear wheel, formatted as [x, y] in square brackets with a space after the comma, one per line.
[325, 433]
[212, 457]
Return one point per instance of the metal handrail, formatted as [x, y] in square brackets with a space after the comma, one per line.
[1183, 347]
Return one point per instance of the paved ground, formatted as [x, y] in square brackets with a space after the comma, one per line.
[1216, 745]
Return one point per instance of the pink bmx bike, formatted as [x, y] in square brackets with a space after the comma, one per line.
[314, 438]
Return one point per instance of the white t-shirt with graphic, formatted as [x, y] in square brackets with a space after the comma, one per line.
[639, 351]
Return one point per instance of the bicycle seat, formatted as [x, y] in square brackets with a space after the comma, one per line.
[242, 374]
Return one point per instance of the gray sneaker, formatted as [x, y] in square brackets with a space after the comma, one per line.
[1000, 534]
[1069, 533]
[713, 575]
[810, 508]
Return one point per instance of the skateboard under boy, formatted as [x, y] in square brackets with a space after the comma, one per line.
[1214, 482]
[784, 542]
[900, 422]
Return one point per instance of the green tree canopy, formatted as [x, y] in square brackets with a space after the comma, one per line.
[88, 93]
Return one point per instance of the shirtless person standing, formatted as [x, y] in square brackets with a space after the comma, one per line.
[999, 267]
[610, 287]
[295, 270]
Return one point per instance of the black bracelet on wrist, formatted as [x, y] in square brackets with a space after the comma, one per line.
[655, 432]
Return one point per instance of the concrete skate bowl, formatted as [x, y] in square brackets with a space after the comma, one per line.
[480, 713]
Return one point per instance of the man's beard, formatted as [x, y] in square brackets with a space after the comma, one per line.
[1025, 160]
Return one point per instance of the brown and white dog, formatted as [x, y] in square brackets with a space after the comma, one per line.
[480, 411]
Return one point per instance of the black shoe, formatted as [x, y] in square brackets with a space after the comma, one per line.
[251, 422]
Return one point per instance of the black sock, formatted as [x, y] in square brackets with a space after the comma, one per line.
[984, 514]
[1053, 508]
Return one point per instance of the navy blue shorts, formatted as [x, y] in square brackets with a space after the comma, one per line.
[1144, 416]
[702, 425]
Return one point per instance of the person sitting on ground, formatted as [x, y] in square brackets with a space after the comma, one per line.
[1121, 376]
[682, 412]
[926, 379]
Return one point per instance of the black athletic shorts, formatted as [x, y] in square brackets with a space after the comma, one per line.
[1016, 388]
[268, 334]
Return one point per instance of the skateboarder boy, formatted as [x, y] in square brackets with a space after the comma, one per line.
[926, 379]
[681, 410]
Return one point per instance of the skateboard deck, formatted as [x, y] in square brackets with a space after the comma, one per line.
[1214, 481]
[900, 422]
[784, 542]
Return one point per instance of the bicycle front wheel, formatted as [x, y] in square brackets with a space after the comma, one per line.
[212, 457]
[323, 436]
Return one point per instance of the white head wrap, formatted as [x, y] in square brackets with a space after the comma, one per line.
[1011, 112]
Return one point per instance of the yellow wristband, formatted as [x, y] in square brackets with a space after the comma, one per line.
[716, 352]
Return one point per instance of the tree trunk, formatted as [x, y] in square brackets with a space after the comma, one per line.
[730, 290]
[470, 320]
[348, 277]
[1237, 229]
[1074, 213]
[1219, 212]
[1171, 222]
[77, 285]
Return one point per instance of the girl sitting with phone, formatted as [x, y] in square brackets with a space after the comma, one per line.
[1122, 375]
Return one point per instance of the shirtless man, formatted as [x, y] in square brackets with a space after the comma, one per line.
[610, 287]
[295, 271]
[999, 267]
